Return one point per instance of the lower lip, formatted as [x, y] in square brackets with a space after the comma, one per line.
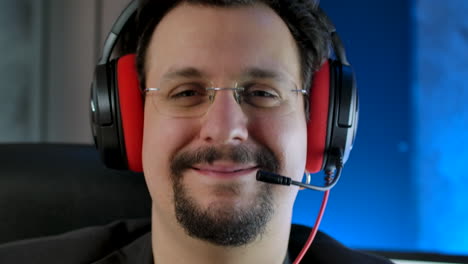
[226, 175]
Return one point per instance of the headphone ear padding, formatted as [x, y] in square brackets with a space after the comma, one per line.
[131, 110]
[317, 127]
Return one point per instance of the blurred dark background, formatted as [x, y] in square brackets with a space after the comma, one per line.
[404, 186]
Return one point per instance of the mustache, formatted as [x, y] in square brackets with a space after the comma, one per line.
[263, 157]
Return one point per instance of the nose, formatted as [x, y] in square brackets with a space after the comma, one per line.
[224, 122]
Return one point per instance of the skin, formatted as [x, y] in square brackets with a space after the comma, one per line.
[221, 43]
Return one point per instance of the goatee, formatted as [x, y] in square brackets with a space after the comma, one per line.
[224, 225]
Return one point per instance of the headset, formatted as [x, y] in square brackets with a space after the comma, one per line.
[117, 108]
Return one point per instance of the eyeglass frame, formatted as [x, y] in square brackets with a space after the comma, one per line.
[235, 90]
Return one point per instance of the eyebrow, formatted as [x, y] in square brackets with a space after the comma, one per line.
[186, 72]
[260, 73]
[249, 73]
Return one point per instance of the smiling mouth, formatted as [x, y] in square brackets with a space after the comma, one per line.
[225, 171]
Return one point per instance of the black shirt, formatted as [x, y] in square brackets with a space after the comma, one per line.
[130, 242]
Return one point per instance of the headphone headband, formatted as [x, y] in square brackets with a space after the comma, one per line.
[130, 10]
[114, 34]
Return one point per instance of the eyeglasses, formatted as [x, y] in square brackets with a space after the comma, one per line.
[257, 99]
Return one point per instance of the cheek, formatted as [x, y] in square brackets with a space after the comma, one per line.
[295, 148]
[162, 138]
[153, 157]
[287, 138]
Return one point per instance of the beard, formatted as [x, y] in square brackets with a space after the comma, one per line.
[220, 224]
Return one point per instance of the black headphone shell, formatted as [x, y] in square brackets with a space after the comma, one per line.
[105, 116]
[343, 115]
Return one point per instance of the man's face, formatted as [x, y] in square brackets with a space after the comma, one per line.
[201, 170]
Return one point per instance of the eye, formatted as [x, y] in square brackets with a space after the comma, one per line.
[261, 90]
[186, 96]
[261, 95]
[187, 90]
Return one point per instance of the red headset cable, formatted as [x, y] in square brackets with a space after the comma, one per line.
[314, 230]
[331, 179]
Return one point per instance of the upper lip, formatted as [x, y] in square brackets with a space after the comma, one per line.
[224, 167]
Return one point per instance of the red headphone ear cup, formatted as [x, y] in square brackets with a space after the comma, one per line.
[131, 110]
[317, 128]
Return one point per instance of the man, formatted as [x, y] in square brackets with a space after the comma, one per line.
[223, 84]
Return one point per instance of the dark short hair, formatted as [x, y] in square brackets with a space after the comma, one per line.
[308, 25]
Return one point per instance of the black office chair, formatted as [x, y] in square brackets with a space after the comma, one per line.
[47, 189]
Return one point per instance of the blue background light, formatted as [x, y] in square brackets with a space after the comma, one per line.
[405, 184]
[440, 95]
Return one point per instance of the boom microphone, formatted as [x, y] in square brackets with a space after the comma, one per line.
[330, 179]
[274, 178]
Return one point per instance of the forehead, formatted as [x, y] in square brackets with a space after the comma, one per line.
[221, 42]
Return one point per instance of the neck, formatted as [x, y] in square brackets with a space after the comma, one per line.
[171, 244]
